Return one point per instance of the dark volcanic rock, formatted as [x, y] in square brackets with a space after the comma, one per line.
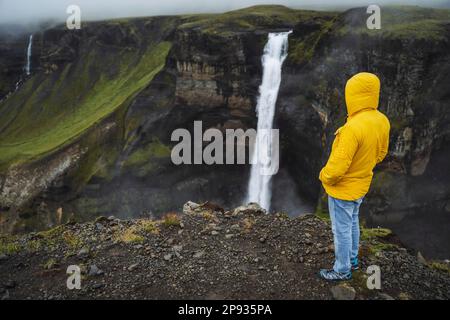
[144, 259]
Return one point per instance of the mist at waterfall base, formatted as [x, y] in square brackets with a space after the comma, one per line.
[275, 52]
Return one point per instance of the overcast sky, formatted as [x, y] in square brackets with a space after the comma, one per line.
[32, 11]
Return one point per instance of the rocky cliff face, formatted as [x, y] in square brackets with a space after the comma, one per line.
[413, 69]
[89, 132]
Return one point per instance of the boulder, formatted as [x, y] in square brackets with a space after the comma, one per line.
[343, 292]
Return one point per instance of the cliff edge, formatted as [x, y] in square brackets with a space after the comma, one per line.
[206, 252]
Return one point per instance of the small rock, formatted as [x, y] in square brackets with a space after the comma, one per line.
[229, 236]
[177, 248]
[138, 246]
[99, 226]
[421, 259]
[168, 257]
[133, 267]
[190, 207]
[97, 286]
[402, 250]
[251, 208]
[199, 254]
[84, 252]
[214, 233]
[94, 271]
[323, 250]
[3, 257]
[343, 292]
[262, 239]
[404, 296]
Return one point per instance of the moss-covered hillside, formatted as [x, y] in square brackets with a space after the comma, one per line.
[51, 110]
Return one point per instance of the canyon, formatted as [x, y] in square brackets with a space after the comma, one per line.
[87, 133]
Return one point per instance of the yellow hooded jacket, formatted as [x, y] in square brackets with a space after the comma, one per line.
[358, 145]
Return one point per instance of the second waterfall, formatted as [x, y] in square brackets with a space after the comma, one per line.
[275, 52]
[29, 48]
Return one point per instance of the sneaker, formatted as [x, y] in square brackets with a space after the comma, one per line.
[332, 275]
[355, 264]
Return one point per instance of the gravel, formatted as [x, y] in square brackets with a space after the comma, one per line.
[237, 254]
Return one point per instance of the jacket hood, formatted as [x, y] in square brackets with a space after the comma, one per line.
[362, 91]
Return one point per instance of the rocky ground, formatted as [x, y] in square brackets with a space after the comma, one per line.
[207, 253]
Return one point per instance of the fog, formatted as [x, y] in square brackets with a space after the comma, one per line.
[27, 12]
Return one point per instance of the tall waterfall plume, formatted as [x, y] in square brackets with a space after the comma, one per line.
[275, 52]
[29, 51]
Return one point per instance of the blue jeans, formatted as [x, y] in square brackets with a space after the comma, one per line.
[345, 225]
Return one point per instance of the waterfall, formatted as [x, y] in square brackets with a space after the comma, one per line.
[275, 52]
[28, 65]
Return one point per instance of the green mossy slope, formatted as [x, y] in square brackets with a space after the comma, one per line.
[49, 111]
[248, 19]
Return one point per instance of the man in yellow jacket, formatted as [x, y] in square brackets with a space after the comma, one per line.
[358, 146]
